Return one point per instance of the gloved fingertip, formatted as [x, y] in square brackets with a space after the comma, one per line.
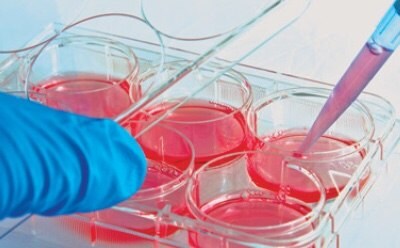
[117, 166]
[130, 157]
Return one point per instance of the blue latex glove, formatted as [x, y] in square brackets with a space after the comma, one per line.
[53, 162]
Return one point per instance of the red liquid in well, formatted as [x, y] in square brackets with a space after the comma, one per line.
[165, 146]
[156, 176]
[86, 94]
[160, 176]
[252, 212]
[96, 234]
[213, 129]
[334, 172]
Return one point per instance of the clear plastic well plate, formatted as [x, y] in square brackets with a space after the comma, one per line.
[182, 72]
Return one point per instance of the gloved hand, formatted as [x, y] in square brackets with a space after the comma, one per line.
[53, 162]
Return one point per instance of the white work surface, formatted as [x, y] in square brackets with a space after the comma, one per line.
[320, 46]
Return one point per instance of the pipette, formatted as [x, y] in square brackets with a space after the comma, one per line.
[369, 60]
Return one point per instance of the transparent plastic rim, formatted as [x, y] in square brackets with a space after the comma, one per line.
[296, 224]
[176, 183]
[386, 108]
[237, 79]
[234, 29]
[359, 145]
[124, 15]
[43, 44]
[80, 40]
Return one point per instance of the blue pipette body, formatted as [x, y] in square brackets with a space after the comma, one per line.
[384, 40]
